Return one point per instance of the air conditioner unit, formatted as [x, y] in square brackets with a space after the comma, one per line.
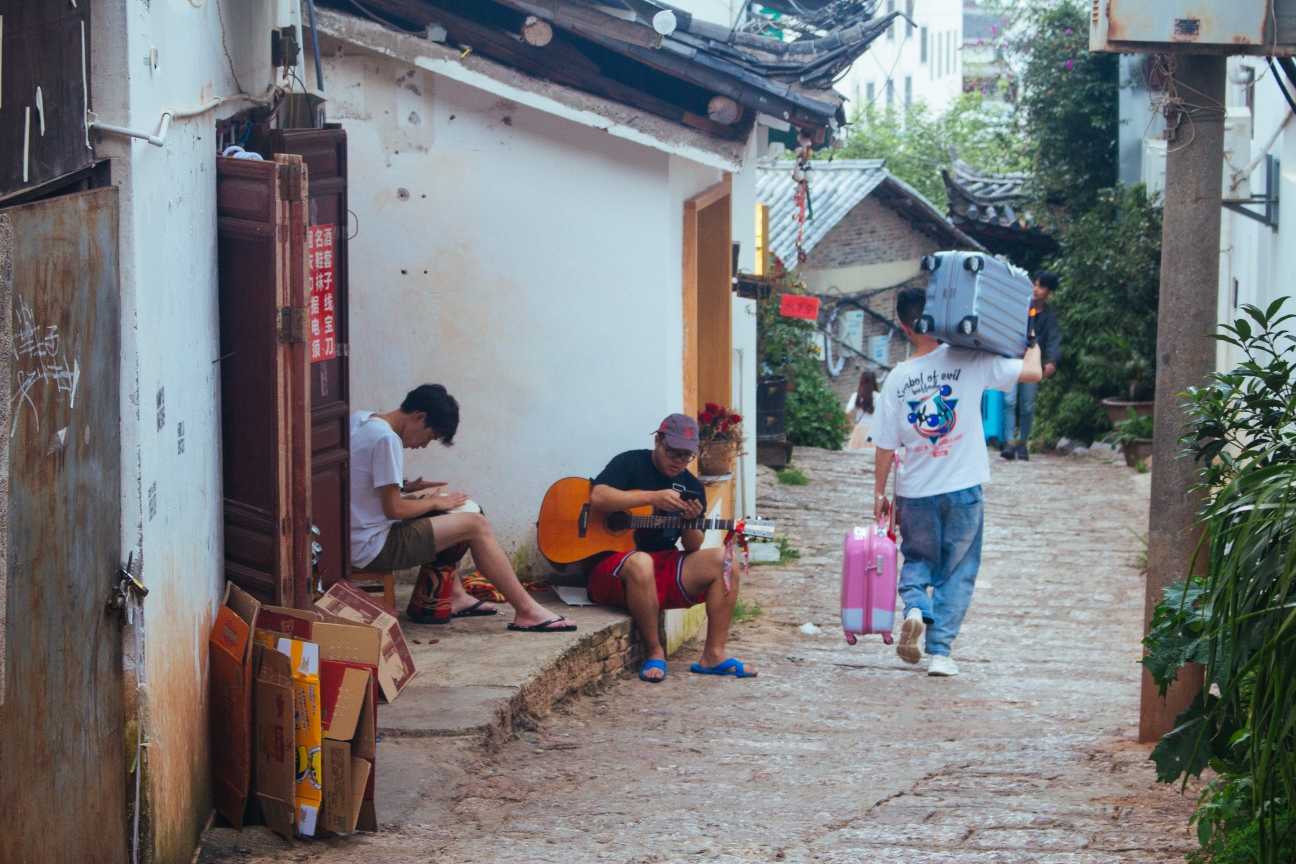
[1259, 27]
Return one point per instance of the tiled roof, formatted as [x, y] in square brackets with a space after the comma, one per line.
[836, 187]
[992, 207]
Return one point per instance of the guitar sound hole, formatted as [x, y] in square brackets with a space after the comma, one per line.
[618, 521]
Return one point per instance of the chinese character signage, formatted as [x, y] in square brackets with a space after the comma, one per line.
[799, 306]
[323, 312]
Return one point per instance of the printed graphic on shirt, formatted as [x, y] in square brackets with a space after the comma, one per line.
[934, 415]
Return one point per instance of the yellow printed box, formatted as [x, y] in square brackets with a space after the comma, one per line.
[304, 657]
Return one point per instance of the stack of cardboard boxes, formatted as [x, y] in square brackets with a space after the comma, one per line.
[295, 707]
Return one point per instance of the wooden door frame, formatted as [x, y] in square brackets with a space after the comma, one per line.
[707, 299]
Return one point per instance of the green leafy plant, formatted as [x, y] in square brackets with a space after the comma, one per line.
[1110, 273]
[792, 477]
[786, 552]
[813, 416]
[1242, 433]
[1133, 429]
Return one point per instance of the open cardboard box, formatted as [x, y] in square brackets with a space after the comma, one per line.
[343, 645]
[230, 702]
[349, 694]
[345, 602]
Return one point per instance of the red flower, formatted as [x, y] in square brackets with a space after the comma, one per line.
[735, 418]
[705, 418]
[712, 408]
[724, 427]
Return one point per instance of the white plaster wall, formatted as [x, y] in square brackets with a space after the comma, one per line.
[171, 500]
[541, 284]
[938, 82]
[1258, 257]
[744, 326]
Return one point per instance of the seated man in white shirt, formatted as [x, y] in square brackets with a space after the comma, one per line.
[391, 532]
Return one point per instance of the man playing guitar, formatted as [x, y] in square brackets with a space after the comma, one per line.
[658, 575]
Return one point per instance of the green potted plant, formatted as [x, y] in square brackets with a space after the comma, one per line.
[1122, 361]
[1135, 436]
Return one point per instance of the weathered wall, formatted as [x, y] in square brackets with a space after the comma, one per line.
[171, 486]
[871, 233]
[531, 265]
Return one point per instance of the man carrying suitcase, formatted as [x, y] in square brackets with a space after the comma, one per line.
[1019, 401]
[931, 404]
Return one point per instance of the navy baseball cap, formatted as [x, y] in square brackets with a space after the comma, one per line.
[681, 432]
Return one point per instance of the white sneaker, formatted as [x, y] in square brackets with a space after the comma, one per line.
[942, 667]
[910, 632]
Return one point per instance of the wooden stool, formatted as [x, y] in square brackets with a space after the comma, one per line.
[375, 581]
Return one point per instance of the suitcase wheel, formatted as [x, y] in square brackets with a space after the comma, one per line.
[886, 638]
[974, 264]
[850, 638]
[928, 263]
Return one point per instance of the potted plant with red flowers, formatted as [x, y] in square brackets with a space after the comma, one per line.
[720, 440]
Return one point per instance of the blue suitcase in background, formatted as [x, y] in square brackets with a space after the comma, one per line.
[976, 301]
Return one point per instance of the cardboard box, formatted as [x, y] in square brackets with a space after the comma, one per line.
[395, 665]
[276, 621]
[348, 693]
[308, 735]
[230, 701]
[350, 645]
[275, 742]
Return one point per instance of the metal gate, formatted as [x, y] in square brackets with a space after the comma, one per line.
[62, 763]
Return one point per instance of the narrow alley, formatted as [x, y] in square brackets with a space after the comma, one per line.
[838, 753]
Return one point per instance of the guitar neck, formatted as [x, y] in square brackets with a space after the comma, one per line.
[673, 522]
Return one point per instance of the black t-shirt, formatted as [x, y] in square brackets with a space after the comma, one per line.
[634, 471]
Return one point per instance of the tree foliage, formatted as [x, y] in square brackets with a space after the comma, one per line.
[986, 132]
[1109, 269]
[1070, 99]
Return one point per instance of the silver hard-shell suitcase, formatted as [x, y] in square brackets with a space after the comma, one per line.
[976, 301]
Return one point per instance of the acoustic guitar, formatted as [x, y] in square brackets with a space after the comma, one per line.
[569, 530]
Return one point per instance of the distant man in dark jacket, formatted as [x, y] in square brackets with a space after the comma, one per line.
[1021, 399]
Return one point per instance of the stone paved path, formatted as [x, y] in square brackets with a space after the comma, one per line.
[839, 753]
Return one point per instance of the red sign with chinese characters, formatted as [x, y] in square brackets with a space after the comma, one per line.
[799, 306]
[323, 310]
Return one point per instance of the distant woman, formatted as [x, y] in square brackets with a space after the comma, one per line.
[860, 410]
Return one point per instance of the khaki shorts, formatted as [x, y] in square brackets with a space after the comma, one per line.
[409, 544]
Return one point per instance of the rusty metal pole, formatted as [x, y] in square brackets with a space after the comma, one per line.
[1186, 313]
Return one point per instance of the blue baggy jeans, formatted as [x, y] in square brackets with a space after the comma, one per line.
[941, 543]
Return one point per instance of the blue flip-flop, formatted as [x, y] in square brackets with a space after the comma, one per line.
[653, 664]
[729, 667]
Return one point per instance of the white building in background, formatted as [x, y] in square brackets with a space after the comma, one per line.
[1257, 251]
[912, 63]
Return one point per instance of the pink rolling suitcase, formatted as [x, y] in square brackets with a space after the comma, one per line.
[869, 583]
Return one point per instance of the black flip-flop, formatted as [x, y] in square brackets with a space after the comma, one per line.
[543, 627]
[474, 611]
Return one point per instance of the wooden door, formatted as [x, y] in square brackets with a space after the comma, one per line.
[708, 301]
[62, 723]
[44, 92]
[265, 402]
[325, 153]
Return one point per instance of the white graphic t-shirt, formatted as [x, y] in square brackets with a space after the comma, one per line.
[932, 406]
[376, 461]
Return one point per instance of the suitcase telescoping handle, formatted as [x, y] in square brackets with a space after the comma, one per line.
[1030, 329]
[895, 484]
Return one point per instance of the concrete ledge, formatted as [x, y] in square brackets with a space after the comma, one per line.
[480, 679]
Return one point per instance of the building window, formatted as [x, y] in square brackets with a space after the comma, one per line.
[949, 46]
[940, 54]
[870, 93]
[890, 33]
[909, 27]
[922, 45]
[908, 92]
[890, 91]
